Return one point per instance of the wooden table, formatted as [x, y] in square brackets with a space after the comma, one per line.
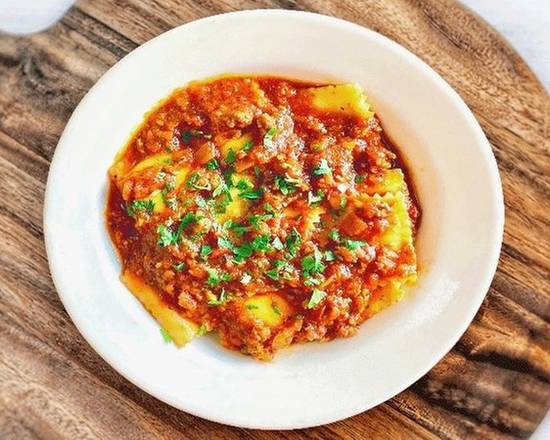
[494, 384]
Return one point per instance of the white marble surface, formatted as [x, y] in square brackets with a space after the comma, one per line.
[526, 25]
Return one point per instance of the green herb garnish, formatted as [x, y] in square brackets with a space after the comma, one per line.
[359, 179]
[268, 137]
[221, 205]
[166, 236]
[237, 228]
[353, 244]
[312, 264]
[243, 251]
[205, 251]
[225, 243]
[321, 169]
[316, 297]
[252, 307]
[221, 189]
[251, 194]
[329, 256]
[261, 243]
[276, 309]
[220, 300]
[256, 219]
[277, 244]
[285, 185]
[202, 330]
[314, 198]
[179, 266]
[278, 266]
[247, 146]
[212, 164]
[214, 278]
[192, 182]
[343, 202]
[166, 336]
[140, 206]
[201, 203]
[334, 235]
[293, 242]
[231, 157]
[243, 185]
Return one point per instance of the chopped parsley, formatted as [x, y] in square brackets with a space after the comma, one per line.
[166, 336]
[343, 202]
[186, 136]
[293, 242]
[247, 146]
[140, 206]
[220, 206]
[334, 235]
[186, 220]
[321, 169]
[225, 243]
[251, 194]
[353, 244]
[256, 219]
[219, 300]
[205, 251]
[221, 189]
[268, 137]
[243, 185]
[243, 251]
[277, 244]
[171, 202]
[214, 278]
[212, 164]
[261, 243]
[285, 184]
[166, 236]
[194, 182]
[276, 309]
[359, 179]
[329, 256]
[201, 203]
[310, 282]
[273, 274]
[312, 198]
[231, 157]
[317, 296]
[252, 307]
[237, 228]
[313, 264]
[178, 267]
[278, 267]
[202, 330]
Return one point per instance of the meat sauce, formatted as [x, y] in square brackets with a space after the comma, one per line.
[268, 210]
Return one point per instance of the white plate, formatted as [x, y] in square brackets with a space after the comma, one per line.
[458, 244]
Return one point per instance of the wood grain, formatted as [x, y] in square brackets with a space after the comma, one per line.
[495, 383]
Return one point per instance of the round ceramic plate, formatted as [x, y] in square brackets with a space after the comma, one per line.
[458, 243]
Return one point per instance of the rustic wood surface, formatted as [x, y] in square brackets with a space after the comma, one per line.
[494, 384]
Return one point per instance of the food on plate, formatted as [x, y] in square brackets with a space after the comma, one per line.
[268, 210]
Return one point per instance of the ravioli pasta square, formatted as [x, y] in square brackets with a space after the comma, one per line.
[266, 210]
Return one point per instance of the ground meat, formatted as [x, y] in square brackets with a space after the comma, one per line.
[261, 215]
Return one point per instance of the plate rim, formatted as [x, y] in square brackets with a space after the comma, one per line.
[63, 290]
